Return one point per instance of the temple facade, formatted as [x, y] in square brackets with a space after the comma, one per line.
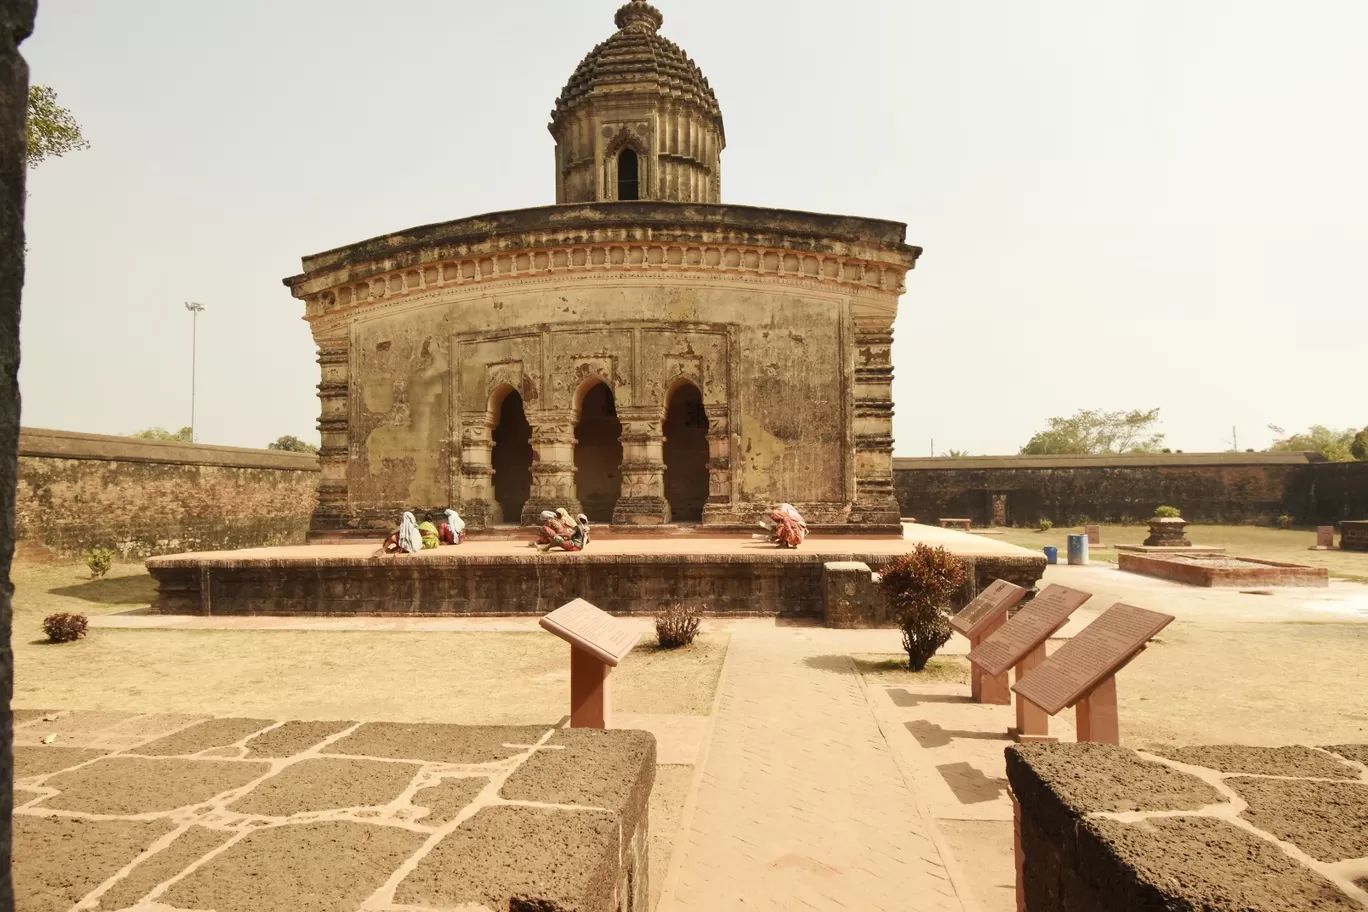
[640, 351]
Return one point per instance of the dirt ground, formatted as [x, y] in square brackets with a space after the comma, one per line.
[1203, 683]
[1290, 545]
[466, 677]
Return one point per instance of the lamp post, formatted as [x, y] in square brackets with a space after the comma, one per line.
[195, 310]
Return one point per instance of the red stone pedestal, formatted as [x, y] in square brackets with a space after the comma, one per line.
[995, 691]
[1033, 723]
[591, 694]
[1097, 716]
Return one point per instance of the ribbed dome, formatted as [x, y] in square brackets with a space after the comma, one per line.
[638, 59]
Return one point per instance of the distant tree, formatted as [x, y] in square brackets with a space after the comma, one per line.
[156, 433]
[958, 454]
[292, 445]
[52, 129]
[1335, 446]
[1359, 447]
[1094, 433]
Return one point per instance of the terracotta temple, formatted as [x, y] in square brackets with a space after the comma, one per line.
[639, 351]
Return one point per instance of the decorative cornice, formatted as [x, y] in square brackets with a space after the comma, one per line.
[626, 261]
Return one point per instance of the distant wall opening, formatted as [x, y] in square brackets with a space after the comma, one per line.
[598, 455]
[512, 458]
[629, 183]
[686, 454]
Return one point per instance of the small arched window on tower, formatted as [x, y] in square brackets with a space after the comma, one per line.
[629, 182]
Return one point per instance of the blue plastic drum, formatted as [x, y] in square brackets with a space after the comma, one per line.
[1051, 555]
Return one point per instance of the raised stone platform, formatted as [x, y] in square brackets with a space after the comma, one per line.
[243, 815]
[725, 576]
[1218, 570]
[1101, 828]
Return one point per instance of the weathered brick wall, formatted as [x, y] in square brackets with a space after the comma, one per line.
[1207, 487]
[142, 497]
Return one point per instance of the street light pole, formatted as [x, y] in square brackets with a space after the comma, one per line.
[195, 310]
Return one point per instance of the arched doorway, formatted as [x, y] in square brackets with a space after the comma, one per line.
[512, 458]
[598, 454]
[686, 454]
[629, 181]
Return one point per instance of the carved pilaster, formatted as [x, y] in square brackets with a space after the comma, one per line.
[331, 513]
[719, 507]
[643, 500]
[553, 465]
[478, 507]
[876, 500]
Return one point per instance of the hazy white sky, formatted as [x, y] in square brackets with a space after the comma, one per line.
[1124, 203]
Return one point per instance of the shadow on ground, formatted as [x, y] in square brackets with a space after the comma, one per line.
[904, 698]
[125, 590]
[929, 734]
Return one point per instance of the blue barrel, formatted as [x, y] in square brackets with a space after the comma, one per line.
[1078, 550]
[1051, 555]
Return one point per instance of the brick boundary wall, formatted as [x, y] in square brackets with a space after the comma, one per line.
[146, 497]
[1249, 488]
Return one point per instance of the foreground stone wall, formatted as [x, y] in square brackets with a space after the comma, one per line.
[16, 24]
[144, 497]
[1102, 828]
[1207, 487]
[253, 814]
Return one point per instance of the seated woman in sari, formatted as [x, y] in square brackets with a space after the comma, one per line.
[558, 530]
[786, 526]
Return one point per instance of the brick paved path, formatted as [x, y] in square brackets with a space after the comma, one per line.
[802, 804]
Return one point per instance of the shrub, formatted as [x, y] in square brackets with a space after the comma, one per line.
[99, 560]
[64, 628]
[1168, 512]
[1046, 525]
[1283, 522]
[918, 588]
[677, 626]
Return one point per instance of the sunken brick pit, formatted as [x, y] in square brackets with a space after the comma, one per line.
[1218, 570]
[1102, 828]
[245, 815]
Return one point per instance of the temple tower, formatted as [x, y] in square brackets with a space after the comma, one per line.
[638, 121]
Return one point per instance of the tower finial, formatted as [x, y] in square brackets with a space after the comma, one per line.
[639, 16]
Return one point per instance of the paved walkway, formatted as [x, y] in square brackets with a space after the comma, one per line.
[802, 803]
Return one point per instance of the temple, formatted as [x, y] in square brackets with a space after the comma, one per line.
[639, 351]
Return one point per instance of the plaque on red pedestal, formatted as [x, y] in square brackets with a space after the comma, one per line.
[1020, 644]
[1094, 535]
[1082, 672]
[979, 620]
[598, 642]
[1325, 537]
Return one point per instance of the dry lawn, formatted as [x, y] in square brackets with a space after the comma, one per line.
[1226, 683]
[468, 677]
[1289, 545]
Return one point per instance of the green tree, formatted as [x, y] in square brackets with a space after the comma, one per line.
[1335, 446]
[52, 129]
[291, 444]
[957, 454]
[1358, 448]
[1095, 433]
[156, 433]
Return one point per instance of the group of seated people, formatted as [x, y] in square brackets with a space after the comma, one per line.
[785, 528]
